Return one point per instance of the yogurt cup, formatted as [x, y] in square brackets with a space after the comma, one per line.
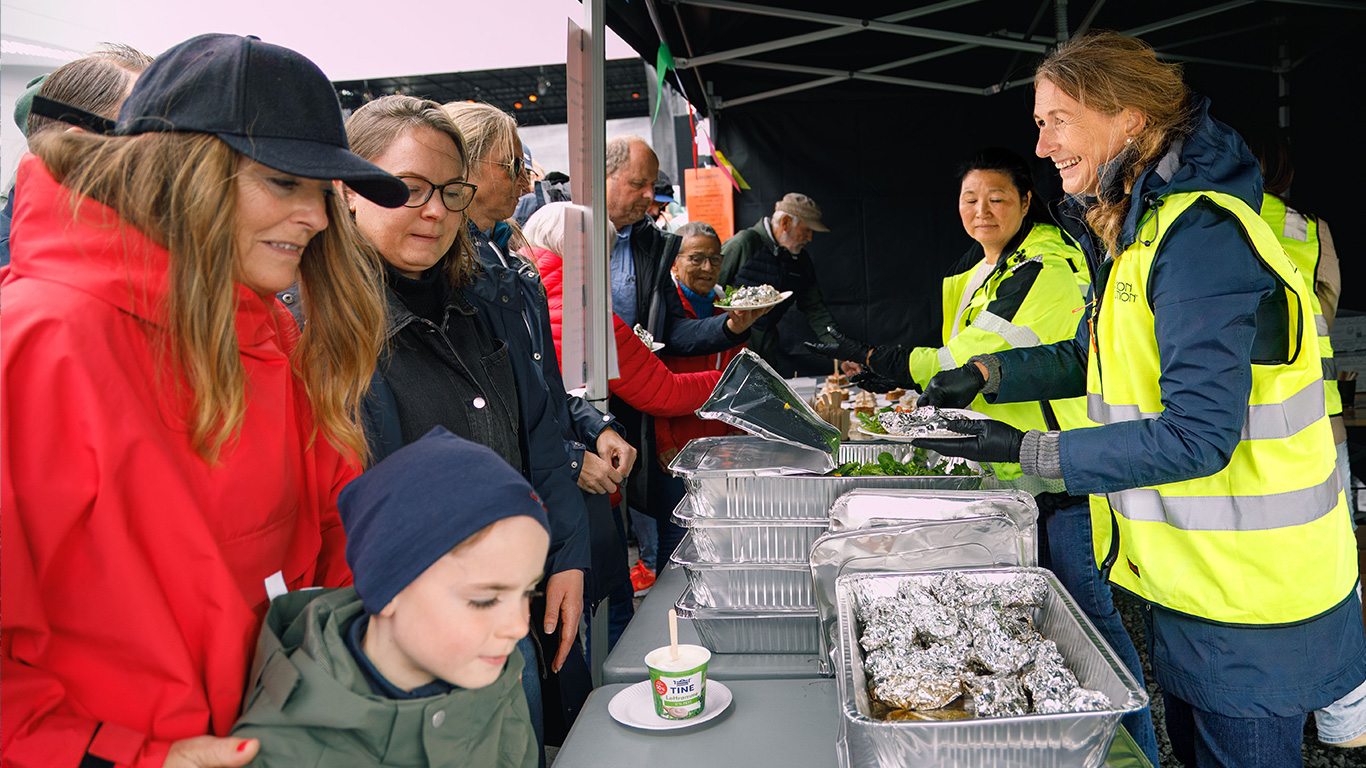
[678, 686]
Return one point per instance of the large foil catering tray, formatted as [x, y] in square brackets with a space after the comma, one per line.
[727, 478]
[751, 630]
[1063, 740]
[874, 507]
[745, 585]
[748, 541]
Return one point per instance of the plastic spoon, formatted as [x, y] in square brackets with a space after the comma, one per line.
[673, 635]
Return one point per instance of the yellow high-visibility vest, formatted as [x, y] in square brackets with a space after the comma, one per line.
[1049, 313]
[1299, 237]
[1266, 540]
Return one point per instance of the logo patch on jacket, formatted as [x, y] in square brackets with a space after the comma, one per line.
[1133, 567]
[1124, 291]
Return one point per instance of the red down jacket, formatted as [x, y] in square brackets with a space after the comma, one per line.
[134, 572]
[645, 383]
[674, 433]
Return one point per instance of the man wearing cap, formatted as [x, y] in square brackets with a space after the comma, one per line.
[658, 211]
[772, 252]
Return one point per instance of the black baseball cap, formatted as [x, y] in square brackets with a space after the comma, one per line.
[266, 101]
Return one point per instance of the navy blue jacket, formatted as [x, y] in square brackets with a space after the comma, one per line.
[512, 307]
[1213, 302]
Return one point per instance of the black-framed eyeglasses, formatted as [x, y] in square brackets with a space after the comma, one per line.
[698, 261]
[456, 196]
[516, 167]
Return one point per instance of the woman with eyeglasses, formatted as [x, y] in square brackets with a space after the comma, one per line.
[442, 365]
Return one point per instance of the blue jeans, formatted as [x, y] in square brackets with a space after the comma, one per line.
[646, 539]
[1069, 554]
[531, 684]
[1207, 740]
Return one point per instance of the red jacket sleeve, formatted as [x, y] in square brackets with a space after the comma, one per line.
[551, 267]
[648, 386]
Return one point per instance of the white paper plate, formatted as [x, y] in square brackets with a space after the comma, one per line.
[957, 413]
[635, 708]
[784, 296]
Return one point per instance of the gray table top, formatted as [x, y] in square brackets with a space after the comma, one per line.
[778, 723]
[747, 734]
[650, 630]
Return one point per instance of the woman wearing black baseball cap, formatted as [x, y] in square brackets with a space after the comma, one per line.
[172, 448]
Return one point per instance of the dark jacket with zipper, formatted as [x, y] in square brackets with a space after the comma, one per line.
[1216, 308]
[453, 373]
[754, 257]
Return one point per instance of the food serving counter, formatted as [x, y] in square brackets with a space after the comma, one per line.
[786, 723]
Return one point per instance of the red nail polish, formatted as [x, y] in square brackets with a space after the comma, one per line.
[242, 747]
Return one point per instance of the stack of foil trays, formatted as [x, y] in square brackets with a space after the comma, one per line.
[1061, 738]
[754, 509]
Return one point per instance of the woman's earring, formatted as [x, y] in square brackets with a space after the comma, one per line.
[1129, 140]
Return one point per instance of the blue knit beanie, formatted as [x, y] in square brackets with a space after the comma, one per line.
[407, 511]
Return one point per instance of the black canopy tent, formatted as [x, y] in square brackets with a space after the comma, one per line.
[870, 116]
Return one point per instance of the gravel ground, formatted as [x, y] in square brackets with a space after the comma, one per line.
[1316, 754]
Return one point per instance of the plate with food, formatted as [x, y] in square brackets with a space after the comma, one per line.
[749, 297]
[926, 421]
[647, 338]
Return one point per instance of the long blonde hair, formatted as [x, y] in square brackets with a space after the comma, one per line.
[179, 189]
[1108, 72]
[373, 128]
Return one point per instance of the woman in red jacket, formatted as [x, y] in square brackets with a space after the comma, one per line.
[694, 273]
[172, 449]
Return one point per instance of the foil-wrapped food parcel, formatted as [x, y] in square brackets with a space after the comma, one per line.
[950, 648]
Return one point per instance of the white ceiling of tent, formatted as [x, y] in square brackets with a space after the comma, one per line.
[348, 39]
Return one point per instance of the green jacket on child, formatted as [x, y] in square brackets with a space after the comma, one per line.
[310, 705]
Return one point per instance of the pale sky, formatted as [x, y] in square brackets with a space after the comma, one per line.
[348, 39]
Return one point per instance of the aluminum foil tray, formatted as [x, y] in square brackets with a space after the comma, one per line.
[752, 630]
[749, 585]
[1063, 740]
[739, 490]
[748, 541]
[873, 507]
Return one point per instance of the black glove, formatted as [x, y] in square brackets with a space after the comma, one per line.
[954, 388]
[993, 441]
[842, 348]
[872, 382]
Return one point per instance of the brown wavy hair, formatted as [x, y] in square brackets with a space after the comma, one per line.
[373, 128]
[1108, 72]
[179, 189]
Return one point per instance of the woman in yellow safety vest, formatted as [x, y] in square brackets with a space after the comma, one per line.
[1022, 283]
[1214, 498]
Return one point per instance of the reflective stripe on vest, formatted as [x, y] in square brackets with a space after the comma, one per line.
[1014, 335]
[1298, 235]
[1229, 513]
[1268, 421]
[1264, 540]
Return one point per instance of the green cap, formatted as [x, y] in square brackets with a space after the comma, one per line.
[25, 102]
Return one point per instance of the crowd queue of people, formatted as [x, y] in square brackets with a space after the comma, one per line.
[251, 348]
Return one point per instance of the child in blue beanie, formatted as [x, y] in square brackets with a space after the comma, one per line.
[416, 665]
